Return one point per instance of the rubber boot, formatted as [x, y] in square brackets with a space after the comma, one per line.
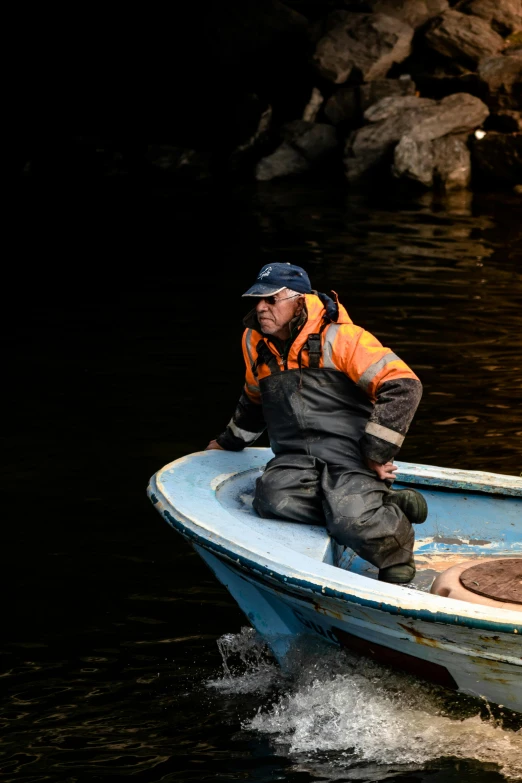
[411, 503]
[398, 574]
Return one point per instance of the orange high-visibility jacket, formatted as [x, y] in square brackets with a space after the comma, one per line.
[338, 394]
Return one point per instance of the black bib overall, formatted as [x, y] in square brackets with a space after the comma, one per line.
[315, 418]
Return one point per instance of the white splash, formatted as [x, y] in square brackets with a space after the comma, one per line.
[247, 664]
[363, 713]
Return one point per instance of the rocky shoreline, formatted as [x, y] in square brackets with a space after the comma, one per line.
[422, 92]
[435, 95]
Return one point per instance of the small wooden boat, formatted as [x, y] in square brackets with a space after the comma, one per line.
[293, 580]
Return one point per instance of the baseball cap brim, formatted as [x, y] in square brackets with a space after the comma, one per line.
[262, 289]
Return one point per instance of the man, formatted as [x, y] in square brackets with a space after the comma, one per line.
[337, 405]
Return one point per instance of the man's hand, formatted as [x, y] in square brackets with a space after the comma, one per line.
[214, 445]
[385, 472]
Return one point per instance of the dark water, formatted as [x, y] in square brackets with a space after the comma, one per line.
[121, 351]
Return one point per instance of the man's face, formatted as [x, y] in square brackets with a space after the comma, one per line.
[275, 318]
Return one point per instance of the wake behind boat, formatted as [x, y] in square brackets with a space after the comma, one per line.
[459, 623]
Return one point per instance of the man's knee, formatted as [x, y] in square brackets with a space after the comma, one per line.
[269, 494]
[293, 494]
[378, 532]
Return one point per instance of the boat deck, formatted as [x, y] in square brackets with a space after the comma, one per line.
[461, 525]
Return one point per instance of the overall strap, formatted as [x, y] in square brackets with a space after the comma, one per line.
[265, 356]
[314, 350]
[314, 347]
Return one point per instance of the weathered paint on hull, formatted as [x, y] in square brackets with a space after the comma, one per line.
[483, 665]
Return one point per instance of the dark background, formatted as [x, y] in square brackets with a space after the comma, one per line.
[182, 75]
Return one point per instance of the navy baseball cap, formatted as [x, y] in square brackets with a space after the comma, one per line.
[274, 277]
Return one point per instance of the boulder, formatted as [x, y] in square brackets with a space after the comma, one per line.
[310, 138]
[311, 109]
[446, 160]
[422, 120]
[464, 38]
[394, 104]
[414, 160]
[452, 163]
[372, 145]
[498, 156]
[305, 146]
[368, 44]
[413, 12]
[284, 162]
[501, 78]
[459, 113]
[346, 105]
[504, 16]
[432, 119]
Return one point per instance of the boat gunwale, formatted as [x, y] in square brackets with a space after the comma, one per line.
[475, 481]
[280, 572]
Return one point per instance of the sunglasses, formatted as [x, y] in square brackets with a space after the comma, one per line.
[271, 300]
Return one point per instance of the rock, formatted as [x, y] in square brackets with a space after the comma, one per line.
[284, 162]
[346, 105]
[504, 122]
[312, 107]
[413, 12]
[501, 77]
[422, 120]
[367, 43]
[381, 88]
[453, 114]
[459, 113]
[498, 156]
[310, 138]
[372, 145]
[305, 146]
[504, 16]
[452, 162]
[446, 159]
[414, 160]
[464, 38]
[388, 107]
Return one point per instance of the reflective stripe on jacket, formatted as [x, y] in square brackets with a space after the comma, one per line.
[338, 392]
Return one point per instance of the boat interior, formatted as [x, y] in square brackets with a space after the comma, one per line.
[464, 527]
